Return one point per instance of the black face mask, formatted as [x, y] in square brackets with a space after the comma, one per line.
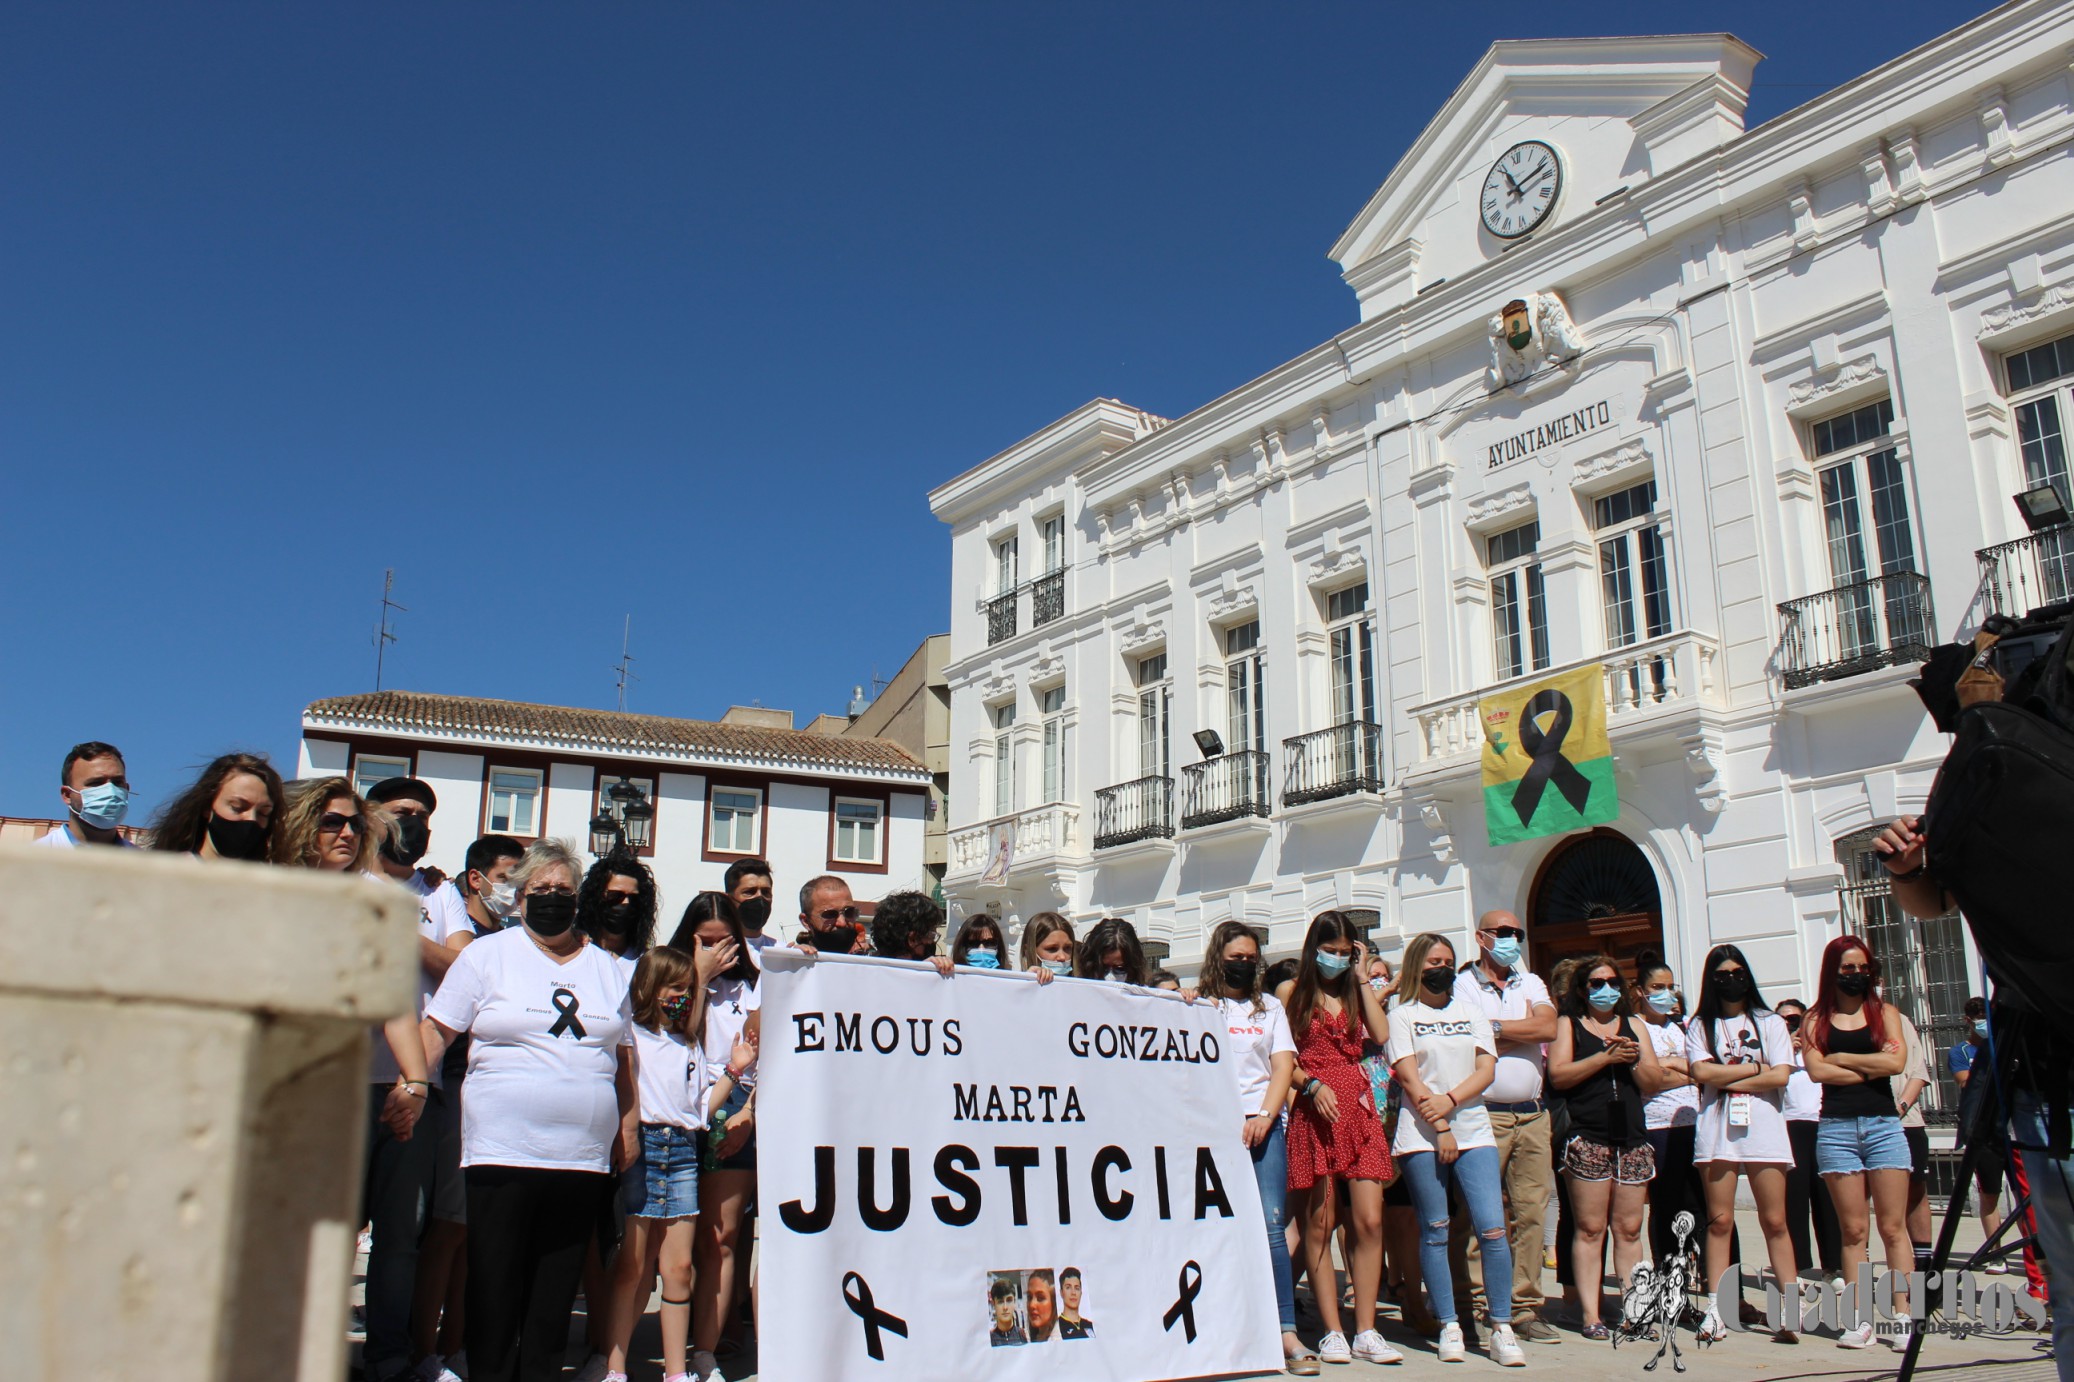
[246, 840]
[1240, 974]
[1854, 985]
[836, 940]
[754, 912]
[550, 914]
[1732, 988]
[1437, 980]
[413, 836]
[616, 913]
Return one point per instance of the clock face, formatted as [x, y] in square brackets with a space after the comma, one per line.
[1520, 190]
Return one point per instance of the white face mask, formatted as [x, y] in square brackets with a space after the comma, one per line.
[501, 899]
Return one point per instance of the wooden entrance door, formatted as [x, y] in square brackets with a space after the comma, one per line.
[1596, 892]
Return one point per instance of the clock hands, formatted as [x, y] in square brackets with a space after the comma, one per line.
[1516, 192]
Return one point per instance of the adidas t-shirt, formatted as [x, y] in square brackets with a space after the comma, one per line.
[544, 1049]
[1445, 1042]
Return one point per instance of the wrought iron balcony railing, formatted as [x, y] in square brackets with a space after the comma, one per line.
[1226, 788]
[1048, 597]
[1884, 621]
[1134, 811]
[2019, 576]
[1336, 762]
[1000, 618]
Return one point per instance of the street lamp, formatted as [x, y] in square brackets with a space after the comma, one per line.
[624, 823]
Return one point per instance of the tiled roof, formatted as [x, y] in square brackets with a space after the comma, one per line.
[607, 732]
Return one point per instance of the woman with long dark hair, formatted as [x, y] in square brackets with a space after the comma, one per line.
[616, 907]
[1262, 1055]
[1741, 1057]
[1111, 951]
[979, 944]
[1605, 1063]
[226, 813]
[1853, 1046]
[1336, 1131]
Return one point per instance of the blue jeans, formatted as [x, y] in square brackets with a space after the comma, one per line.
[396, 1196]
[2052, 1202]
[1475, 1174]
[1271, 1171]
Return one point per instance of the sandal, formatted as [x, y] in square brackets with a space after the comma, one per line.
[1597, 1331]
[1303, 1364]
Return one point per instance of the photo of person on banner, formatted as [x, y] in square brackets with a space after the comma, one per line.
[1005, 1329]
[1041, 1293]
[1072, 1324]
[1547, 765]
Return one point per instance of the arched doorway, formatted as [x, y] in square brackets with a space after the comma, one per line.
[1595, 892]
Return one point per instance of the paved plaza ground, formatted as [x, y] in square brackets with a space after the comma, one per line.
[2018, 1356]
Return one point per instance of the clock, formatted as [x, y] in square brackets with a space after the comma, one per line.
[1521, 189]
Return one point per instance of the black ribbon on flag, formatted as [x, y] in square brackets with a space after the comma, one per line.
[565, 1004]
[1191, 1284]
[862, 1306]
[1546, 749]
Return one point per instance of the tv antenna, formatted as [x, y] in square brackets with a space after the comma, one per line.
[625, 667]
[382, 636]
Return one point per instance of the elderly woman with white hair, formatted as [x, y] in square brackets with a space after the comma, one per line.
[550, 1114]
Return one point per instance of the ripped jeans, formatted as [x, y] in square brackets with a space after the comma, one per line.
[1475, 1174]
[1271, 1171]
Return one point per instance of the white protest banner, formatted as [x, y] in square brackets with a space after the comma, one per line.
[982, 1176]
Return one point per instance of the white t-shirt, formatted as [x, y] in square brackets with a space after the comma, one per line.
[1445, 1041]
[63, 838]
[1915, 1067]
[728, 1005]
[1803, 1101]
[1673, 1108]
[1751, 1039]
[1256, 1039]
[1519, 1070]
[543, 1053]
[436, 921]
[673, 1078]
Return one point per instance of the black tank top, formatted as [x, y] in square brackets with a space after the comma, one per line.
[1607, 1108]
[1874, 1098]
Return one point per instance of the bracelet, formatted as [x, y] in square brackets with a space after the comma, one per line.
[1312, 1087]
[1913, 874]
[1453, 1102]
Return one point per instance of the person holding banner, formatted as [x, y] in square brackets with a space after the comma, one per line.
[1048, 946]
[979, 944]
[1336, 1131]
[1445, 1056]
[1263, 1059]
[907, 926]
[1111, 951]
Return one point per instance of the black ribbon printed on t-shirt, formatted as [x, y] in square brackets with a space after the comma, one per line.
[565, 1004]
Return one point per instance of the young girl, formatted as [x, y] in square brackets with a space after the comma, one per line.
[1671, 1112]
[1741, 1056]
[1853, 1043]
[679, 1092]
[979, 944]
[1445, 1057]
[1605, 1063]
[1111, 951]
[1336, 1132]
[1048, 947]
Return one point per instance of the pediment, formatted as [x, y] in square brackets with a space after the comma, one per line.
[1617, 111]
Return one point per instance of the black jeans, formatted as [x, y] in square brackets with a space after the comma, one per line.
[527, 1231]
[395, 1197]
[1807, 1201]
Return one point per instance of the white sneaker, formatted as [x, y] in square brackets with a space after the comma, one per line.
[593, 1370]
[1899, 1339]
[1450, 1345]
[457, 1364]
[1370, 1347]
[1861, 1337]
[1712, 1330]
[704, 1367]
[1333, 1349]
[1504, 1348]
[713, 1375]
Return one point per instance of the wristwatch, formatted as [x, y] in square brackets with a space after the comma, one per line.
[1497, 1028]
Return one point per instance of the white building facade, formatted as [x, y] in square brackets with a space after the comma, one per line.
[808, 804]
[1755, 454]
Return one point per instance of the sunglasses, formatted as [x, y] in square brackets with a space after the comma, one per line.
[331, 823]
[1792, 1021]
[839, 914]
[551, 892]
[1509, 933]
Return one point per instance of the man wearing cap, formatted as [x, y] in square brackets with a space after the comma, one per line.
[409, 803]
[95, 787]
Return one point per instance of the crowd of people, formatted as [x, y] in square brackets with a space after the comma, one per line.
[1406, 1122]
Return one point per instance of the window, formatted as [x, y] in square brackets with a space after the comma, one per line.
[1053, 705]
[1054, 543]
[2038, 384]
[1005, 566]
[859, 831]
[1634, 578]
[737, 814]
[514, 801]
[1245, 711]
[1519, 601]
[1353, 655]
[1865, 520]
[368, 770]
[1155, 705]
[1004, 760]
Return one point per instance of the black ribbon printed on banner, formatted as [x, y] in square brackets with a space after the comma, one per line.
[1546, 749]
[1191, 1284]
[565, 1004]
[875, 1319]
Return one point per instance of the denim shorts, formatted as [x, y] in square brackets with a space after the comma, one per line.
[664, 1183]
[1847, 1146]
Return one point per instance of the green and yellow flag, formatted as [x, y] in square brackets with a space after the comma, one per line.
[1547, 767]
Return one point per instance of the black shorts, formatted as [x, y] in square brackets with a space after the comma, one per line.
[1918, 1152]
[1989, 1163]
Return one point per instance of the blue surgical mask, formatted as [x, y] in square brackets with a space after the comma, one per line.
[1664, 1001]
[1506, 951]
[1604, 996]
[1062, 968]
[983, 959]
[1980, 1027]
[103, 805]
[1331, 965]
[1114, 976]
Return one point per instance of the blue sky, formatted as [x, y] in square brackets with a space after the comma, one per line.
[573, 311]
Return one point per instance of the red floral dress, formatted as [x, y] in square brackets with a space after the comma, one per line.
[1353, 1146]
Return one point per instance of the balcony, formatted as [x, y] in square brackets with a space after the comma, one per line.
[1885, 621]
[2018, 577]
[1227, 788]
[1000, 618]
[1663, 684]
[1037, 840]
[1047, 598]
[1337, 762]
[1134, 811]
